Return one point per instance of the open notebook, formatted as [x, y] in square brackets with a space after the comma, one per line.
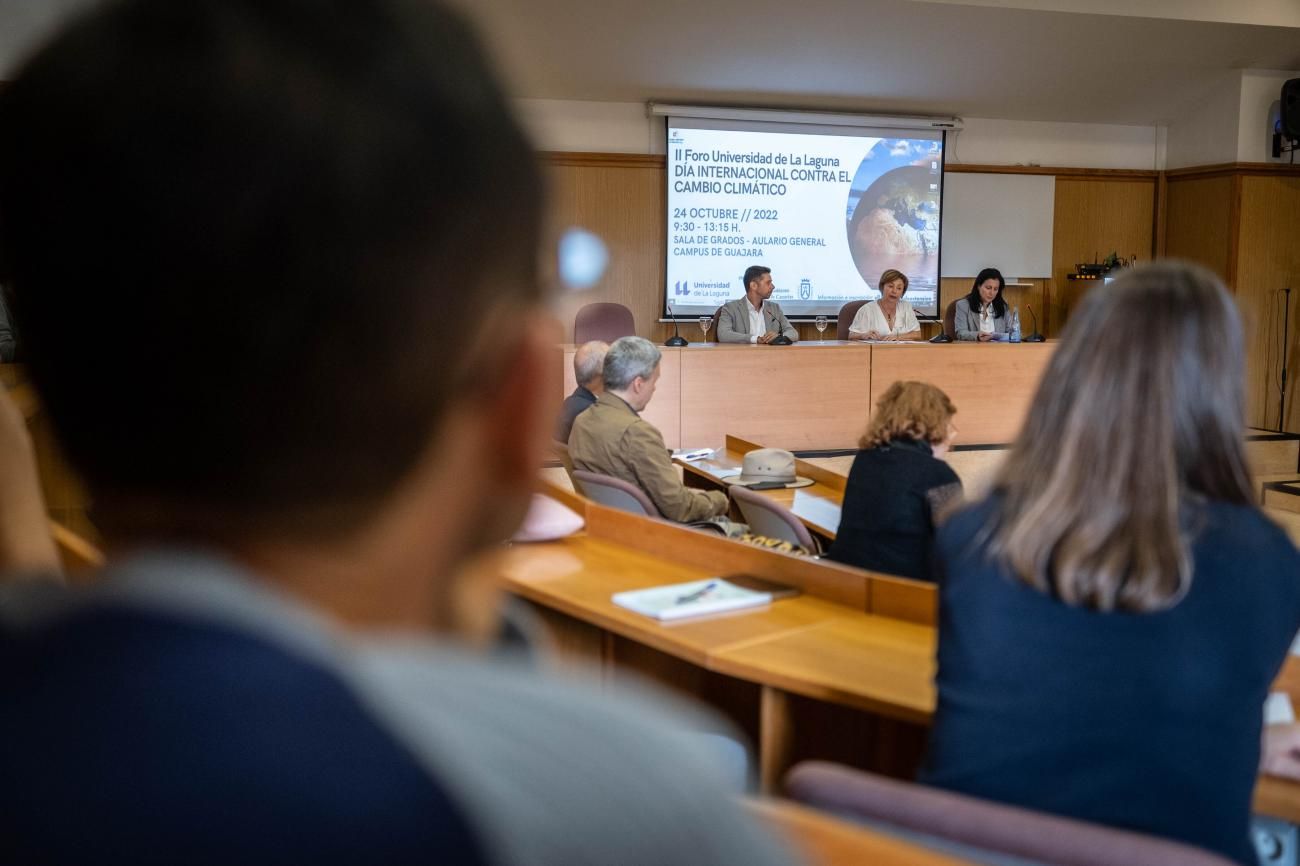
[700, 597]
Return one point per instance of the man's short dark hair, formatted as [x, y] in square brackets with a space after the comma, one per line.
[249, 240]
[754, 273]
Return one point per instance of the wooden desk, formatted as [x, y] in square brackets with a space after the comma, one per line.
[797, 655]
[805, 396]
[577, 576]
[991, 384]
[572, 581]
[817, 506]
[819, 395]
[1280, 798]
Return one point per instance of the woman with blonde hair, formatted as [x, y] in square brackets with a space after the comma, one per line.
[898, 483]
[1112, 616]
[890, 317]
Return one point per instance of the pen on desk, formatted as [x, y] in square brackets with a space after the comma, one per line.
[698, 594]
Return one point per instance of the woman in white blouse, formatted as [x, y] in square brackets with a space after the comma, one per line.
[891, 317]
[982, 315]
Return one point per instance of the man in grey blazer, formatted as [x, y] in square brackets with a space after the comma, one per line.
[754, 318]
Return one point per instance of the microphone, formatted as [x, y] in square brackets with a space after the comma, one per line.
[1035, 337]
[676, 339]
[780, 339]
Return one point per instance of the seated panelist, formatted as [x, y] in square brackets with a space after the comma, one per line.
[612, 438]
[889, 318]
[982, 314]
[754, 318]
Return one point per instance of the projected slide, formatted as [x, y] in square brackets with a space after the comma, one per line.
[827, 212]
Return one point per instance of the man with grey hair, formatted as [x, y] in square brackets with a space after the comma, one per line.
[588, 370]
[611, 437]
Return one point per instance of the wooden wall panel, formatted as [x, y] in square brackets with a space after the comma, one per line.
[623, 203]
[1092, 218]
[1199, 221]
[1268, 260]
[1037, 293]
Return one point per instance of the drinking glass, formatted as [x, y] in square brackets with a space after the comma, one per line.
[706, 322]
[820, 323]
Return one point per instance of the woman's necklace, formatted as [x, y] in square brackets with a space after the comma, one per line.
[889, 315]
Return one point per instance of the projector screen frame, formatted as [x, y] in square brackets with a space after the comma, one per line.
[939, 125]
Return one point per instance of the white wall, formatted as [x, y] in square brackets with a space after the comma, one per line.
[568, 126]
[1230, 123]
[984, 141]
[1205, 133]
[623, 127]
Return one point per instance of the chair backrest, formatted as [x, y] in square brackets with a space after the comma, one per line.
[614, 492]
[561, 452]
[604, 321]
[950, 319]
[847, 312]
[980, 830]
[768, 517]
[713, 329]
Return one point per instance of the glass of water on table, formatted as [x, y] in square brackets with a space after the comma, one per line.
[706, 322]
[820, 323]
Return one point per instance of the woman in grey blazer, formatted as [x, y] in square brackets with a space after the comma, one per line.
[982, 315]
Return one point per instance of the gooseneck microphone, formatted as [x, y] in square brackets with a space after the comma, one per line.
[1035, 337]
[676, 339]
[780, 339]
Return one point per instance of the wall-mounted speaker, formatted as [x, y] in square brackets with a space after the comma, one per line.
[1291, 109]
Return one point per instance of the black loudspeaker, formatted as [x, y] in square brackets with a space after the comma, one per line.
[1291, 109]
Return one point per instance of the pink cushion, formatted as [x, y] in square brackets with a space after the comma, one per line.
[547, 520]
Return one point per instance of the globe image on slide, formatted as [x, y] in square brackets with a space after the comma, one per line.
[893, 215]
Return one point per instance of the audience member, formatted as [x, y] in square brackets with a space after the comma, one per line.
[1112, 616]
[588, 372]
[899, 483]
[231, 227]
[612, 438]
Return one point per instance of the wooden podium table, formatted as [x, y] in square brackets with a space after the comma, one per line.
[819, 395]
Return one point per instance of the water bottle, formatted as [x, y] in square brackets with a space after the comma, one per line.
[1014, 326]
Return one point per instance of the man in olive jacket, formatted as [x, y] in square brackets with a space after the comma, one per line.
[611, 438]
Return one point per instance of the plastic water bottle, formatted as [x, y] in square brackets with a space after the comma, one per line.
[1014, 326]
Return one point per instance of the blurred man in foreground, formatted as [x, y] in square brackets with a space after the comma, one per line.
[260, 211]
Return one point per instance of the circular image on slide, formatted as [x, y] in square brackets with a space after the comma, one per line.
[893, 214]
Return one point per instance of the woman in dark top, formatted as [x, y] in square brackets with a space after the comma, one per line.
[897, 483]
[1112, 616]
